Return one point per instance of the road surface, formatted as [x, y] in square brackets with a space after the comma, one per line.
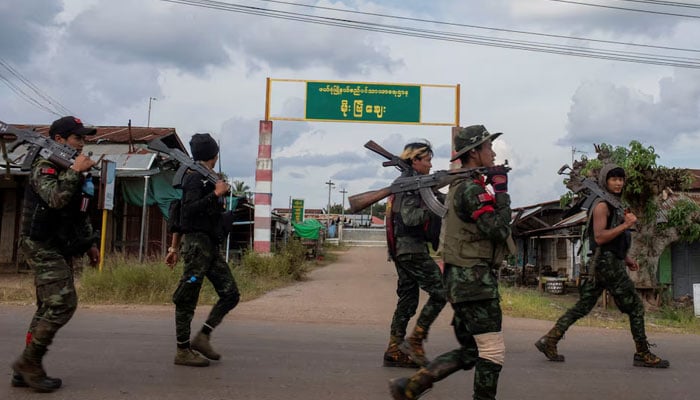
[324, 339]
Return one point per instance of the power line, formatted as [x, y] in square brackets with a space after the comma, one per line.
[665, 3]
[56, 107]
[483, 27]
[24, 96]
[627, 9]
[616, 55]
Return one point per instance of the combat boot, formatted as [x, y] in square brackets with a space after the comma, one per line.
[394, 357]
[411, 388]
[645, 358]
[202, 344]
[547, 344]
[190, 358]
[18, 381]
[28, 367]
[413, 346]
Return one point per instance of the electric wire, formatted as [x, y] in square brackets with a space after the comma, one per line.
[422, 20]
[616, 55]
[53, 105]
[627, 9]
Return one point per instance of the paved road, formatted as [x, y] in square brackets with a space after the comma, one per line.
[323, 339]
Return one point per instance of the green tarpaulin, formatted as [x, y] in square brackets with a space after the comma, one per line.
[160, 192]
[308, 229]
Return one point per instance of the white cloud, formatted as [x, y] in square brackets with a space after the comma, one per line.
[208, 70]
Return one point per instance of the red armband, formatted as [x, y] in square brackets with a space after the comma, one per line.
[476, 214]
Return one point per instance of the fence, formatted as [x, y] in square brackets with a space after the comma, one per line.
[370, 237]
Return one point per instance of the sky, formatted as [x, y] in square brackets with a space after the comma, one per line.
[207, 68]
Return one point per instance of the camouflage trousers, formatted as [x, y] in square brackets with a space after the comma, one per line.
[56, 298]
[417, 271]
[202, 259]
[472, 318]
[610, 275]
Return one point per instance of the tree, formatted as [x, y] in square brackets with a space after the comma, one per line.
[654, 194]
[239, 188]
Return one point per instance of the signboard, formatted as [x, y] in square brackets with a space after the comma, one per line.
[353, 102]
[108, 176]
[297, 210]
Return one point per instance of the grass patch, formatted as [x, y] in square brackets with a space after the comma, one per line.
[530, 303]
[126, 281]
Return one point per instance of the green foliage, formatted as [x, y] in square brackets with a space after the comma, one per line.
[289, 263]
[566, 199]
[684, 216]
[591, 168]
[126, 281]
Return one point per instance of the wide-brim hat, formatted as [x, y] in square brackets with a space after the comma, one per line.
[471, 137]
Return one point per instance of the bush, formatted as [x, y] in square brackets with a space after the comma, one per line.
[126, 281]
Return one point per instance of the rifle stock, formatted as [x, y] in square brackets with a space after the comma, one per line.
[363, 200]
[394, 161]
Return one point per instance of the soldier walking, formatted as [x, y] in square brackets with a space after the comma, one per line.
[55, 228]
[201, 211]
[476, 230]
[609, 239]
[407, 238]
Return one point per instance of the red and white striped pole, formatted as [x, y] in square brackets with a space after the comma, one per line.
[263, 190]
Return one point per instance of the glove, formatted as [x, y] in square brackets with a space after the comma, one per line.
[497, 176]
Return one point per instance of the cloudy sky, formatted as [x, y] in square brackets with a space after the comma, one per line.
[102, 60]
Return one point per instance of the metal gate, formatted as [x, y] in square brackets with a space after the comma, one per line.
[685, 268]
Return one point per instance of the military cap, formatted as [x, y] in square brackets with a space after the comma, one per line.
[470, 137]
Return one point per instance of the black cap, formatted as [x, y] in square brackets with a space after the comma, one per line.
[69, 125]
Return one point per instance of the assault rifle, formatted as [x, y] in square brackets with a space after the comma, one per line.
[60, 154]
[424, 184]
[579, 183]
[227, 218]
[185, 163]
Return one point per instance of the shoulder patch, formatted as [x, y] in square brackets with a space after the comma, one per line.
[485, 198]
[48, 171]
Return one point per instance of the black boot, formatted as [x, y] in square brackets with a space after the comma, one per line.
[18, 381]
[547, 344]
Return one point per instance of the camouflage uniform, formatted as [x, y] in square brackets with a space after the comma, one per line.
[55, 228]
[415, 269]
[610, 275]
[201, 211]
[606, 271]
[476, 228]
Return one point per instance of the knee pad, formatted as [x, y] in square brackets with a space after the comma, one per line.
[491, 347]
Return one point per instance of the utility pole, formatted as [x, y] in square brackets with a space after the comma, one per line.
[150, 99]
[328, 210]
[343, 191]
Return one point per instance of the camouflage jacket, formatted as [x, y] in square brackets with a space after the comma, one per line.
[471, 206]
[410, 216]
[55, 210]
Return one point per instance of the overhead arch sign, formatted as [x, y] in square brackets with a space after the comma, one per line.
[363, 102]
[371, 102]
